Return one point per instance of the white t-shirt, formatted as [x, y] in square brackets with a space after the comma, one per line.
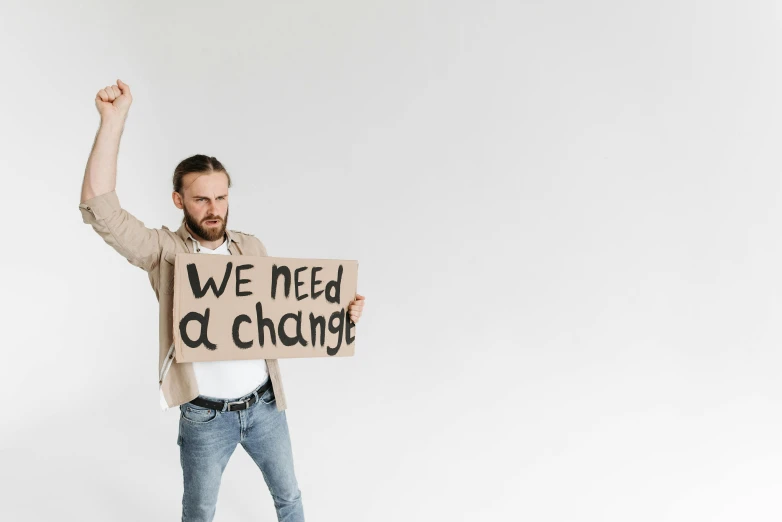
[228, 379]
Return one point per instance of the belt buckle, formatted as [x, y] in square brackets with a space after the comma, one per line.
[246, 403]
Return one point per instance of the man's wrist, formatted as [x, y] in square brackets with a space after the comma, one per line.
[112, 125]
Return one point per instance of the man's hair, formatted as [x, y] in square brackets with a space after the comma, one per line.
[197, 163]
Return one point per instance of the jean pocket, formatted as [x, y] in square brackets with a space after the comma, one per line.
[197, 414]
[268, 396]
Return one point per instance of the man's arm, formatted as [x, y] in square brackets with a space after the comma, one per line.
[99, 204]
[100, 176]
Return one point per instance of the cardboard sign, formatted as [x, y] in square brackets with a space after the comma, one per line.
[251, 307]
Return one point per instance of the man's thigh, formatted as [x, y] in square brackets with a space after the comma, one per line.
[268, 443]
[207, 439]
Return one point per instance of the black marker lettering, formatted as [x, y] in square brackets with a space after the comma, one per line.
[314, 322]
[298, 283]
[237, 322]
[203, 320]
[349, 325]
[339, 314]
[261, 322]
[334, 285]
[284, 338]
[239, 280]
[315, 270]
[195, 283]
[276, 273]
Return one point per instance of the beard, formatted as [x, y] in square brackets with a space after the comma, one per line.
[208, 233]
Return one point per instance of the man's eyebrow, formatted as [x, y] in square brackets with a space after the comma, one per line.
[207, 197]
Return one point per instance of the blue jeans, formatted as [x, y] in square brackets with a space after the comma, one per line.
[208, 438]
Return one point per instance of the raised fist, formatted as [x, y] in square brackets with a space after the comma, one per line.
[113, 102]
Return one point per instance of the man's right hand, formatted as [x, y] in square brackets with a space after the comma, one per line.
[114, 101]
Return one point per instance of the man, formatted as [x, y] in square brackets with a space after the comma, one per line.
[221, 403]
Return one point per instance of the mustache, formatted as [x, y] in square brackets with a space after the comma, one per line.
[213, 218]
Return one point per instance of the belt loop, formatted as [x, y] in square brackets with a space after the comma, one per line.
[225, 406]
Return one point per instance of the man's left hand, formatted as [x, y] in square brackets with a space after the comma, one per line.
[355, 308]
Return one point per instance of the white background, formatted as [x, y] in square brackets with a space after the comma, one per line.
[567, 217]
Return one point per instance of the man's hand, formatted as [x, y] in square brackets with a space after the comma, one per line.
[114, 101]
[355, 308]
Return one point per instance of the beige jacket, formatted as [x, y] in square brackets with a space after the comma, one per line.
[154, 250]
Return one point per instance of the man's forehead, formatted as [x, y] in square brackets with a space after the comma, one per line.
[202, 183]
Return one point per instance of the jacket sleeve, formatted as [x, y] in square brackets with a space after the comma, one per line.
[140, 245]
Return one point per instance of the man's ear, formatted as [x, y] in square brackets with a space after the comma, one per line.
[177, 197]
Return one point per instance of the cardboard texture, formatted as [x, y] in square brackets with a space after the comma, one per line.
[251, 307]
